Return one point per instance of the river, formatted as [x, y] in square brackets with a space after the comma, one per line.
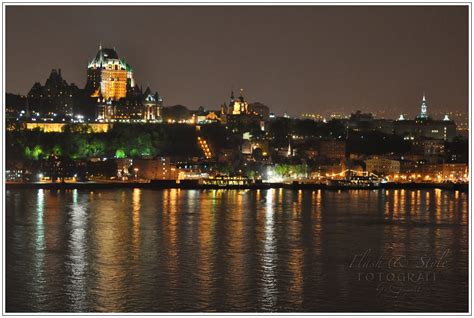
[137, 250]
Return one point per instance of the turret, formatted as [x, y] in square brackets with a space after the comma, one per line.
[424, 108]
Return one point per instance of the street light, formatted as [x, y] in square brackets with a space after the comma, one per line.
[136, 172]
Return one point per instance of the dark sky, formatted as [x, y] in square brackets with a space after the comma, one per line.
[294, 59]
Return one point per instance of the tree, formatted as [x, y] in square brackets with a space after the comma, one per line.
[120, 153]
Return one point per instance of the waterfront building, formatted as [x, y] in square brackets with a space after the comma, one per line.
[382, 166]
[408, 167]
[159, 168]
[223, 181]
[455, 171]
[57, 169]
[14, 175]
[444, 172]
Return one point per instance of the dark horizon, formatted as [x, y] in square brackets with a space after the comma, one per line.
[293, 59]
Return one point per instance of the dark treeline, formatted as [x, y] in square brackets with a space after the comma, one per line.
[123, 140]
[149, 140]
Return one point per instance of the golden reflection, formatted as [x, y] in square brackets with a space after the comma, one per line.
[388, 205]
[452, 206]
[171, 239]
[111, 238]
[235, 245]
[136, 207]
[206, 246]
[235, 251]
[296, 206]
[317, 215]
[123, 197]
[464, 211]
[427, 199]
[316, 198]
[396, 202]
[414, 200]
[438, 206]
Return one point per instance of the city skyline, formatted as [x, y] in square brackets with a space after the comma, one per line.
[237, 159]
[338, 69]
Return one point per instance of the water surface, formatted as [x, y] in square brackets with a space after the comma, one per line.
[135, 250]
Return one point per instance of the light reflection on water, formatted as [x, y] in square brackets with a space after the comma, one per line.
[269, 256]
[188, 250]
[78, 259]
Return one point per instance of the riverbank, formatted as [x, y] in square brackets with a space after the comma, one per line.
[171, 184]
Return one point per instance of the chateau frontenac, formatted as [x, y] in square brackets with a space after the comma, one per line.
[110, 94]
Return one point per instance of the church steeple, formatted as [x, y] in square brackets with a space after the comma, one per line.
[424, 108]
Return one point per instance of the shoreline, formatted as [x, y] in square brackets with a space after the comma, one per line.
[171, 184]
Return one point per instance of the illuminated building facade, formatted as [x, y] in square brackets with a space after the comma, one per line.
[240, 113]
[114, 84]
[111, 83]
[59, 127]
[384, 166]
[238, 106]
[152, 111]
[424, 109]
[137, 106]
[159, 168]
[108, 76]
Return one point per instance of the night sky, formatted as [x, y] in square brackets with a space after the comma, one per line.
[295, 59]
